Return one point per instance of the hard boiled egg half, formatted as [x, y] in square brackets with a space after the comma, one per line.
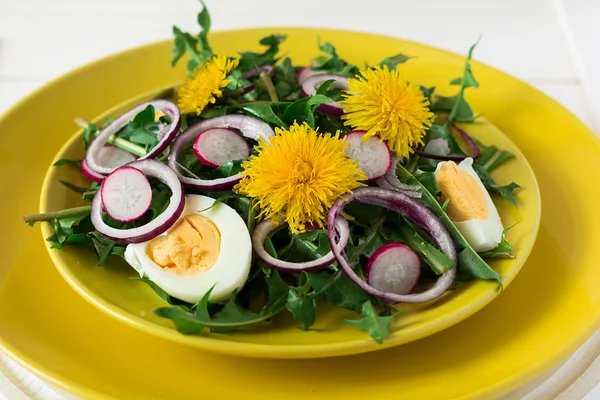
[470, 206]
[209, 246]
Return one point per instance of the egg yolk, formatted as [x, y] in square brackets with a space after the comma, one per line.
[191, 245]
[467, 200]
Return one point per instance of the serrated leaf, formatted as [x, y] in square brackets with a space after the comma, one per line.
[303, 110]
[303, 309]
[345, 293]
[491, 185]
[461, 110]
[372, 323]
[393, 62]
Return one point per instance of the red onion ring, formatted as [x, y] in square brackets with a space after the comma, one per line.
[250, 127]
[390, 181]
[167, 107]
[310, 85]
[159, 224]
[262, 230]
[306, 73]
[409, 208]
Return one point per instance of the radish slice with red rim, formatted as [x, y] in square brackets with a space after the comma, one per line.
[250, 127]
[393, 268]
[92, 157]
[217, 146]
[110, 157]
[409, 208]
[306, 73]
[159, 224]
[390, 181]
[262, 230]
[373, 155]
[126, 194]
[311, 84]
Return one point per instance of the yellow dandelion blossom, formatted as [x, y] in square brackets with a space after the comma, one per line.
[298, 175]
[206, 85]
[383, 103]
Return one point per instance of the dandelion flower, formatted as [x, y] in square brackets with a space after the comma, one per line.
[383, 103]
[298, 175]
[206, 85]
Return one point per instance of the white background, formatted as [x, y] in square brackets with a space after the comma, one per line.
[551, 44]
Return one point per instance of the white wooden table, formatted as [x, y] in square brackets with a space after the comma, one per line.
[551, 44]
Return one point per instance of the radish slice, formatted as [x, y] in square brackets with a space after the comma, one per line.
[306, 73]
[218, 146]
[373, 155]
[390, 181]
[409, 208]
[109, 156]
[159, 224]
[126, 194]
[93, 158]
[250, 127]
[311, 84]
[393, 268]
[262, 230]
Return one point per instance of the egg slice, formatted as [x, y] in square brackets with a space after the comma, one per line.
[205, 248]
[470, 206]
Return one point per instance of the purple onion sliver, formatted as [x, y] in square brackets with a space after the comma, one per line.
[158, 225]
[411, 209]
[262, 230]
[269, 69]
[310, 85]
[469, 140]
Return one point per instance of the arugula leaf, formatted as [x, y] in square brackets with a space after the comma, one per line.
[503, 250]
[142, 129]
[345, 293]
[470, 261]
[437, 131]
[303, 110]
[66, 161]
[371, 322]
[204, 22]
[333, 63]
[392, 62]
[429, 182]
[103, 246]
[90, 131]
[461, 110]
[285, 80]
[250, 59]
[437, 260]
[162, 294]
[74, 188]
[427, 92]
[197, 48]
[489, 183]
[304, 309]
[491, 157]
[264, 111]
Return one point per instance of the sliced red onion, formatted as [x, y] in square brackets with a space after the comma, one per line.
[218, 146]
[452, 157]
[409, 208]
[159, 224]
[306, 73]
[373, 155]
[92, 157]
[126, 194]
[311, 84]
[390, 181]
[269, 69]
[89, 173]
[262, 230]
[110, 157]
[250, 127]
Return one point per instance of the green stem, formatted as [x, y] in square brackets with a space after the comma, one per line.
[117, 141]
[49, 216]
[412, 163]
[493, 159]
[266, 78]
[370, 236]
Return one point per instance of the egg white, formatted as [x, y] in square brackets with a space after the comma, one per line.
[230, 270]
[486, 234]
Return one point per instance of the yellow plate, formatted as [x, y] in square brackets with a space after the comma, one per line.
[112, 290]
[551, 308]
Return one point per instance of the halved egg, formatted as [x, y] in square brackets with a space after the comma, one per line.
[209, 246]
[470, 206]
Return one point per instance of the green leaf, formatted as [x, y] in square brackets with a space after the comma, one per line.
[427, 92]
[90, 131]
[63, 226]
[142, 129]
[489, 183]
[162, 294]
[285, 79]
[333, 63]
[470, 262]
[303, 110]
[437, 260]
[503, 250]
[345, 293]
[321, 281]
[372, 323]
[185, 322]
[264, 111]
[204, 22]
[226, 170]
[103, 246]
[461, 111]
[304, 309]
[250, 59]
[75, 188]
[392, 62]
[491, 157]
[66, 161]
[438, 131]
[160, 201]
[185, 43]
[429, 182]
